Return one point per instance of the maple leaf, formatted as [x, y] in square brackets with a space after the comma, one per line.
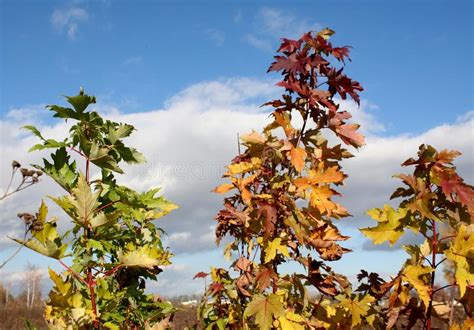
[325, 33]
[243, 167]
[269, 213]
[417, 276]
[389, 226]
[451, 183]
[320, 199]
[45, 241]
[357, 306]
[253, 138]
[273, 247]
[340, 52]
[200, 275]
[289, 64]
[265, 309]
[145, 256]
[289, 46]
[348, 134]
[461, 252]
[84, 201]
[48, 248]
[328, 175]
[223, 188]
[263, 278]
[292, 321]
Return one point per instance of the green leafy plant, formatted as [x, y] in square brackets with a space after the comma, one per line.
[435, 200]
[112, 245]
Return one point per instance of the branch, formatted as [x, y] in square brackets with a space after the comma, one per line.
[17, 250]
[76, 275]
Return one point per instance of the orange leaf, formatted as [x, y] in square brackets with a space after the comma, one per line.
[223, 188]
[330, 175]
[298, 156]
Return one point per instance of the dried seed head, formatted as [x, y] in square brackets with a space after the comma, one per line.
[30, 173]
[34, 179]
[37, 226]
[27, 217]
[39, 173]
[15, 164]
[24, 171]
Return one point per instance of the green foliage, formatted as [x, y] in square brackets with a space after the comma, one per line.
[113, 244]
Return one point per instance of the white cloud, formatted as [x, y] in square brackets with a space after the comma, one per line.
[190, 140]
[215, 35]
[272, 23]
[68, 20]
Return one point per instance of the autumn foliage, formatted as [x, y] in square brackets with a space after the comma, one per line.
[283, 208]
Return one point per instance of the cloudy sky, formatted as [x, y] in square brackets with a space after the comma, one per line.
[190, 76]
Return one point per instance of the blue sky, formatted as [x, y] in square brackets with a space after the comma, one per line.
[414, 58]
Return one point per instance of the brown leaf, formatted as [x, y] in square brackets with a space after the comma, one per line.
[263, 278]
[269, 213]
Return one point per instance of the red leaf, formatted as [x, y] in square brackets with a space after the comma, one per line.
[340, 53]
[215, 288]
[200, 275]
[451, 183]
[289, 46]
[291, 64]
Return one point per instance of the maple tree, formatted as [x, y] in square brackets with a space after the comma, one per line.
[267, 218]
[112, 246]
[284, 205]
[435, 200]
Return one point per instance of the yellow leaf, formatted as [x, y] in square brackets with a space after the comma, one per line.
[461, 252]
[389, 227]
[273, 247]
[358, 307]
[417, 276]
[325, 33]
[264, 308]
[253, 138]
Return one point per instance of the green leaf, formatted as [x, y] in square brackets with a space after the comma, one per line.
[265, 309]
[61, 170]
[84, 201]
[33, 130]
[144, 256]
[119, 132]
[81, 102]
[48, 248]
[65, 113]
